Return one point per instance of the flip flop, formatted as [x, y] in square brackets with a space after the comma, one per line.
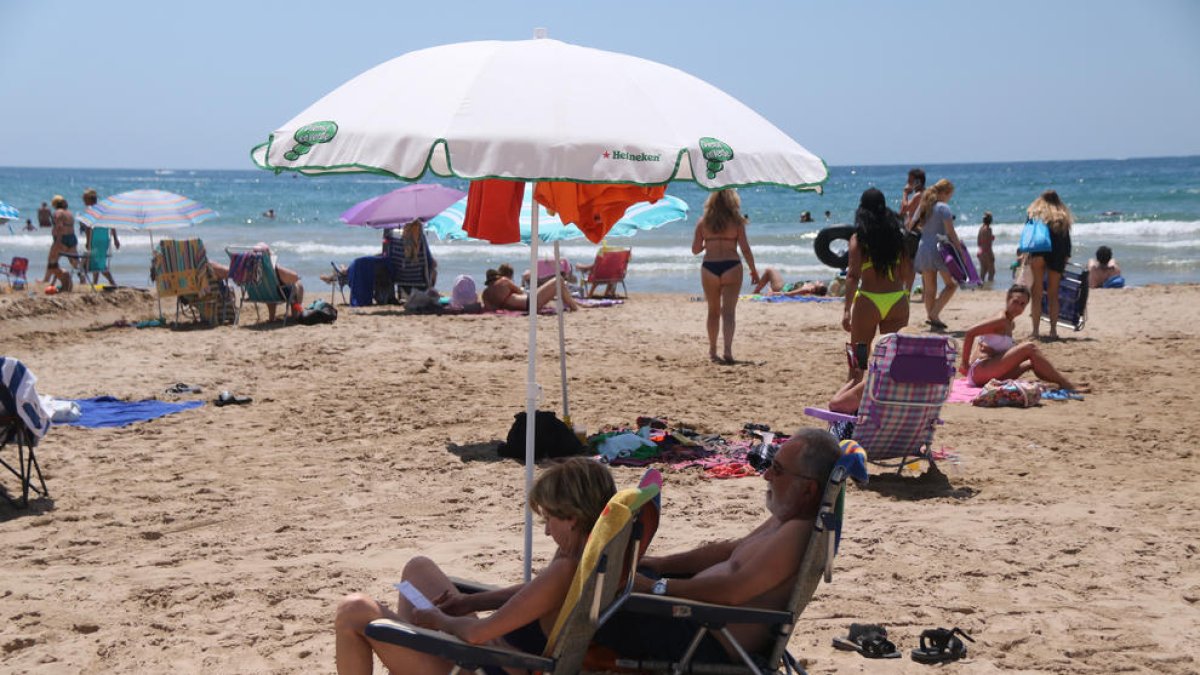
[939, 645]
[182, 388]
[227, 398]
[868, 639]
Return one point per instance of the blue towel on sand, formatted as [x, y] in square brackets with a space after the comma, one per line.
[794, 298]
[106, 411]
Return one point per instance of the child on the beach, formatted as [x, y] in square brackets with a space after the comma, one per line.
[570, 496]
[987, 258]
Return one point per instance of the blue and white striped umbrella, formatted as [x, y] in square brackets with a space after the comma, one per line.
[448, 225]
[146, 210]
[8, 213]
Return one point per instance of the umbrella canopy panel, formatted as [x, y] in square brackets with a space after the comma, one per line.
[146, 210]
[448, 225]
[411, 202]
[601, 117]
[8, 212]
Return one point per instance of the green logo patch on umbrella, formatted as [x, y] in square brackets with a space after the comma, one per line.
[716, 153]
[310, 135]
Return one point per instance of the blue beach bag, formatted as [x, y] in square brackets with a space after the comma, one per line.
[1035, 237]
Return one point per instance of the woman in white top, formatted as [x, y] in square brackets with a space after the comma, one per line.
[989, 351]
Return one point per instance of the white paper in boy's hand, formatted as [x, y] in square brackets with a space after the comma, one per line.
[414, 595]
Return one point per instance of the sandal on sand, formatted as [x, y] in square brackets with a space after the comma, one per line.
[182, 388]
[935, 324]
[868, 639]
[939, 645]
[228, 398]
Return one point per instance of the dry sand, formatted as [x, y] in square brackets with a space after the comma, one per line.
[220, 539]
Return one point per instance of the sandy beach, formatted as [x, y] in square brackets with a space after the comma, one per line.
[220, 539]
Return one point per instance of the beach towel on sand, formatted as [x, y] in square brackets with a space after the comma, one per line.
[106, 411]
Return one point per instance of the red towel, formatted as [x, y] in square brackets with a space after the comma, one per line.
[593, 207]
[493, 210]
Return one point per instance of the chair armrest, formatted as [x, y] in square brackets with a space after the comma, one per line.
[829, 415]
[468, 586]
[704, 613]
[451, 648]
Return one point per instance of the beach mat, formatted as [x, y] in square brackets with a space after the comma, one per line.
[794, 298]
[106, 411]
[962, 391]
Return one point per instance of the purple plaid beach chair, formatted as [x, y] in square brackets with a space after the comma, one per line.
[908, 380]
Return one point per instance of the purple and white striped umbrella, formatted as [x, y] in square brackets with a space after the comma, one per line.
[146, 210]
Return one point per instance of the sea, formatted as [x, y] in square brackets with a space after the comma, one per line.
[1146, 210]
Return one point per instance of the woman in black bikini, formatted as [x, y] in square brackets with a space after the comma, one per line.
[719, 234]
[1050, 209]
[65, 243]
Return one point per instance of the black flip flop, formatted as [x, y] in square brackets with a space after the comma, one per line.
[939, 645]
[182, 388]
[227, 398]
[868, 639]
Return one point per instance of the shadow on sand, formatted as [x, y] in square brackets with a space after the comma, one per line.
[933, 484]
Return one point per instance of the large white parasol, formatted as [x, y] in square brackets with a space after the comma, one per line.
[600, 117]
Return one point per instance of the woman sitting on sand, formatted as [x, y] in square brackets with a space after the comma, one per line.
[570, 496]
[501, 292]
[990, 353]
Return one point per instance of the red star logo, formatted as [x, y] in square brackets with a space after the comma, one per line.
[605, 154]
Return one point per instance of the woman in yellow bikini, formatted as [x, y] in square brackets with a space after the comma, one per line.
[876, 299]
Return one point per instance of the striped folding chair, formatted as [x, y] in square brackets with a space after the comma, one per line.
[410, 261]
[908, 380]
[23, 422]
[180, 269]
[253, 271]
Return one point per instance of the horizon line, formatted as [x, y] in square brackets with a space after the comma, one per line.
[253, 169]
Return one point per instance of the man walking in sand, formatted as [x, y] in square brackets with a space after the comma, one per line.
[758, 570]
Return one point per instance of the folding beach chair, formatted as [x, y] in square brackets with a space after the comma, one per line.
[1072, 298]
[15, 273]
[410, 261]
[23, 422]
[96, 261]
[908, 380]
[601, 582]
[609, 268]
[253, 271]
[338, 281]
[817, 564]
[180, 269]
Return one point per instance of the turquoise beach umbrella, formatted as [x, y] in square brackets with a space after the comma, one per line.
[448, 225]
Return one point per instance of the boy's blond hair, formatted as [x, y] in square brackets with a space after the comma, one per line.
[576, 487]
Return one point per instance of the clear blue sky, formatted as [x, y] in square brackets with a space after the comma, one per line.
[161, 84]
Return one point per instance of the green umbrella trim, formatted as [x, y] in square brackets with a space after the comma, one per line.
[362, 168]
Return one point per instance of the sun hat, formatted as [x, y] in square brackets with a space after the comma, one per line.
[463, 293]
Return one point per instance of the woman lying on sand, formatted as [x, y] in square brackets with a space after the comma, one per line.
[501, 292]
[990, 353]
[570, 496]
[772, 277]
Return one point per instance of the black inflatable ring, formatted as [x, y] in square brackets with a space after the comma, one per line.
[826, 237]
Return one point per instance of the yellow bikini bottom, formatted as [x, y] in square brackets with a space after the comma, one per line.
[884, 302]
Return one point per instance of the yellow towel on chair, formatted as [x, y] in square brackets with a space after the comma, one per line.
[614, 517]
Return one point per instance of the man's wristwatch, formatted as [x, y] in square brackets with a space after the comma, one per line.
[660, 587]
